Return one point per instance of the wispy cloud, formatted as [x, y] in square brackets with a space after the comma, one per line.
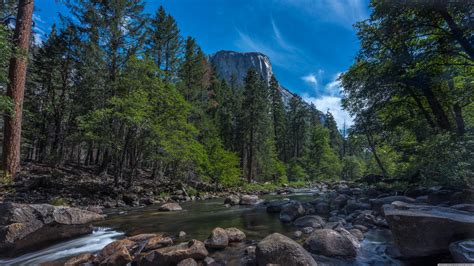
[311, 79]
[281, 51]
[343, 12]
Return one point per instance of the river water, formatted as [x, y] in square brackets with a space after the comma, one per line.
[197, 220]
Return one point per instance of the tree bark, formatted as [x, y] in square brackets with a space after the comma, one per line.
[16, 87]
[374, 152]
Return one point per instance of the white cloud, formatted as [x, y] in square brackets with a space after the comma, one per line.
[333, 88]
[311, 79]
[333, 105]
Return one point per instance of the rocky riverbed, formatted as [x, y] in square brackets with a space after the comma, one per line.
[328, 225]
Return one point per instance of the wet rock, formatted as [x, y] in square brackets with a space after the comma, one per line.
[249, 200]
[172, 255]
[276, 206]
[141, 237]
[232, 200]
[297, 234]
[462, 251]
[435, 227]
[377, 204]
[313, 221]
[188, 262]
[218, 239]
[116, 253]
[81, 259]
[23, 226]
[291, 211]
[235, 235]
[357, 233]
[208, 261]
[353, 206]
[157, 242]
[170, 206]
[330, 243]
[365, 219]
[339, 202]
[279, 249]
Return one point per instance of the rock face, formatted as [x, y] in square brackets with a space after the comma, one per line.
[462, 251]
[23, 226]
[279, 249]
[170, 206]
[435, 227]
[229, 63]
[332, 243]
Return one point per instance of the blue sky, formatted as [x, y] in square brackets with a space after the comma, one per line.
[309, 42]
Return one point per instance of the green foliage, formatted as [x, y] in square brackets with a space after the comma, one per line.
[353, 167]
[223, 165]
[59, 202]
[296, 172]
[323, 163]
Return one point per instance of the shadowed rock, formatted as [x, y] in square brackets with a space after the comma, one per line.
[279, 249]
[421, 230]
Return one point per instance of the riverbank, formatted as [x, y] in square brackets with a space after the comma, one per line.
[74, 185]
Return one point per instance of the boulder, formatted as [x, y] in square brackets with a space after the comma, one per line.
[339, 202]
[141, 237]
[365, 219]
[353, 206]
[188, 262]
[81, 259]
[23, 226]
[249, 200]
[377, 204]
[276, 206]
[116, 253]
[218, 239]
[174, 254]
[279, 249]
[462, 251]
[170, 206]
[232, 200]
[423, 230]
[291, 211]
[313, 221]
[357, 233]
[157, 242]
[208, 261]
[331, 243]
[235, 235]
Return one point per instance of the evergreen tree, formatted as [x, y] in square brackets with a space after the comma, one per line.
[335, 138]
[279, 118]
[165, 42]
[322, 161]
[258, 142]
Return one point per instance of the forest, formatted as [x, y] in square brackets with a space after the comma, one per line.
[123, 91]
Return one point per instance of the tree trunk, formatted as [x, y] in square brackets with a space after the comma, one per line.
[437, 109]
[457, 33]
[374, 152]
[16, 87]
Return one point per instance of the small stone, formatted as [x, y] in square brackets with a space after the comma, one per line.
[170, 206]
[297, 234]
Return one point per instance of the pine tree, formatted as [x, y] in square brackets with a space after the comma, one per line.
[335, 138]
[279, 118]
[16, 87]
[258, 142]
[165, 43]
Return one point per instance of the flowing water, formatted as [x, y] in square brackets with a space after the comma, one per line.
[197, 220]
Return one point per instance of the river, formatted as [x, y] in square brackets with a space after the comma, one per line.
[197, 220]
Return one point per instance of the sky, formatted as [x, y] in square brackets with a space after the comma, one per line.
[309, 42]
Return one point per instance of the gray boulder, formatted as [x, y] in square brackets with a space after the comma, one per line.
[313, 221]
[23, 226]
[218, 239]
[332, 243]
[291, 211]
[174, 254]
[422, 230]
[249, 200]
[279, 249]
[170, 206]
